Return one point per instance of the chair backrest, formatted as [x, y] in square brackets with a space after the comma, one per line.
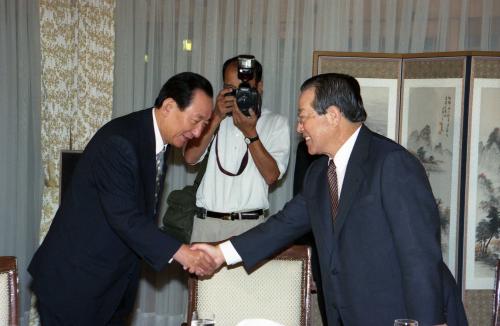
[278, 290]
[496, 307]
[8, 291]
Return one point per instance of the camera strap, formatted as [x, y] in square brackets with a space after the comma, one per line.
[243, 164]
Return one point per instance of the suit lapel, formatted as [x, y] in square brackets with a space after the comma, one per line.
[148, 158]
[353, 178]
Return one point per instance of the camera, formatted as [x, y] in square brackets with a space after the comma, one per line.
[247, 97]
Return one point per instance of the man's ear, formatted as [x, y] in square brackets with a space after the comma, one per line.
[333, 114]
[168, 105]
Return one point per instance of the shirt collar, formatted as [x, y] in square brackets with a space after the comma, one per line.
[342, 156]
[159, 147]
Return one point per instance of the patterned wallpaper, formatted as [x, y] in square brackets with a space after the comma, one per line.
[77, 46]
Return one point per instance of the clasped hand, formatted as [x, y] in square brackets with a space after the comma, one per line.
[199, 259]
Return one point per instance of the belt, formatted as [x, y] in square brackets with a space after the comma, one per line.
[251, 215]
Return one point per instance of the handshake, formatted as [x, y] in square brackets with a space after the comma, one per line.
[201, 259]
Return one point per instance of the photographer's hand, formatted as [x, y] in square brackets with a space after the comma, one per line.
[224, 104]
[247, 124]
[265, 163]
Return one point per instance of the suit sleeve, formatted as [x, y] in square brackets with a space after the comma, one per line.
[279, 231]
[413, 217]
[117, 177]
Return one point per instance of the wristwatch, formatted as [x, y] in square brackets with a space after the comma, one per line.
[251, 139]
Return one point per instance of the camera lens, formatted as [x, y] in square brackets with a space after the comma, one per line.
[231, 93]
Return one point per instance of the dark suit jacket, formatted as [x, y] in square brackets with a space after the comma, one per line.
[453, 305]
[382, 258]
[104, 226]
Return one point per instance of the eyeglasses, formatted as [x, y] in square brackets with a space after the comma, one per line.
[303, 117]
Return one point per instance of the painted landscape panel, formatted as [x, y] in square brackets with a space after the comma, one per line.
[483, 192]
[431, 130]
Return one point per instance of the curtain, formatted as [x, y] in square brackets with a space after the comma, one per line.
[20, 161]
[282, 34]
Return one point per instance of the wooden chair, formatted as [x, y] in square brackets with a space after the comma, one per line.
[9, 295]
[278, 290]
[496, 307]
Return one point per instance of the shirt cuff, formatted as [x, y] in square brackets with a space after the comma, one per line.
[230, 254]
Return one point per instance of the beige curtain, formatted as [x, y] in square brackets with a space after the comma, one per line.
[20, 161]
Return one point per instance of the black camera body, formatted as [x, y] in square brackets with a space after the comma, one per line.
[247, 97]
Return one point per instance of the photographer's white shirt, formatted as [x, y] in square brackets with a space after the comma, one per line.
[249, 191]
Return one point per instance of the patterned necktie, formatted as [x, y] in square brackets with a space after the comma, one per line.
[159, 171]
[334, 192]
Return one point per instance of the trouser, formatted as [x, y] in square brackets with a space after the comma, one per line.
[215, 229]
[48, 317]
[76, 312]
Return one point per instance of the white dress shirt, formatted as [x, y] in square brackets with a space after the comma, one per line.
[160, 146]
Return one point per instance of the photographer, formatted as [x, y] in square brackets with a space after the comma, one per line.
[249, 152]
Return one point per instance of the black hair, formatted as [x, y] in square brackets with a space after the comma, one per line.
[339, 90]
[257, 71]
[181, 89]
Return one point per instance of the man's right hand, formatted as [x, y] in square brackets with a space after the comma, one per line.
[213, 251]
[224, 104]
[195, 261]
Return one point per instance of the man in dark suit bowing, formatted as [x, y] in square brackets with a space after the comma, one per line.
[371, 210]
[87, 269]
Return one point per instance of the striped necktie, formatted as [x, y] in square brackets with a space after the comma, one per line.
[334, 190]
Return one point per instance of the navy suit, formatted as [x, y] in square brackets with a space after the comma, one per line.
[454, 307]
[382, 258]
[91, 255]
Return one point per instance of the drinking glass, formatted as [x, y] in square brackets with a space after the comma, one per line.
[405, 322]
[207, 319]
